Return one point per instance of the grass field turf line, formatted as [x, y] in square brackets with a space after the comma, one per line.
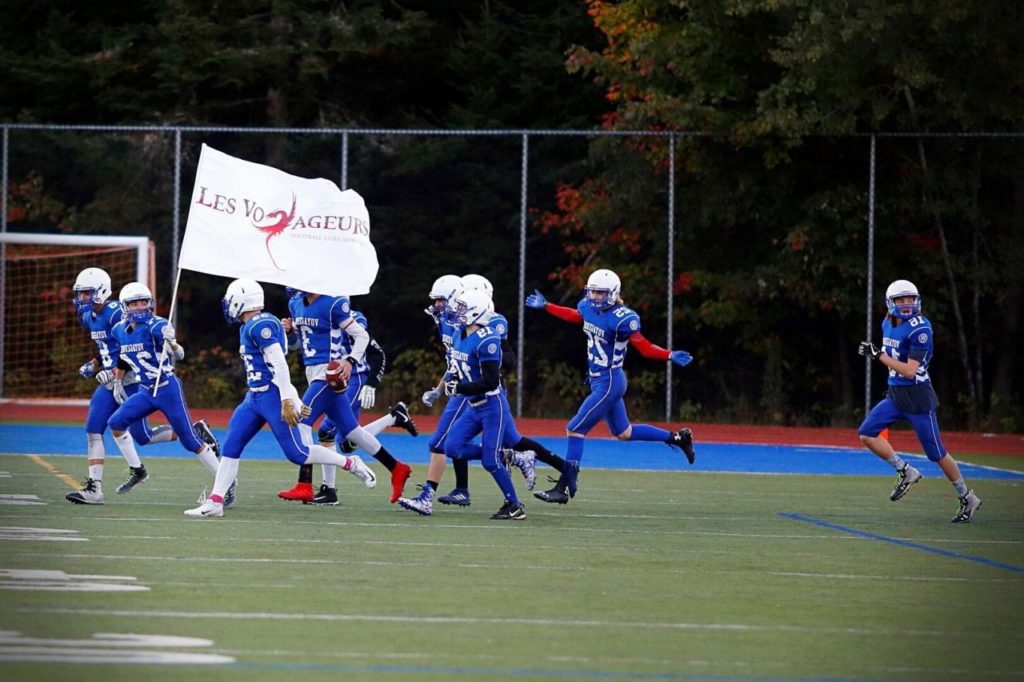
[645, 575]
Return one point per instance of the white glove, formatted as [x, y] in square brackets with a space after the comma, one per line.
[105, 376]
[168, 333]
[88, 370]
[451, 387]
[117, 388]
[367, 396]
[431, 396]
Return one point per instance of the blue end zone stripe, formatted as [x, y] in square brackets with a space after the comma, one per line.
[905, 543]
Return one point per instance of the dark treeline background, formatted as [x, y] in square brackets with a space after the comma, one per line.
[770, 232]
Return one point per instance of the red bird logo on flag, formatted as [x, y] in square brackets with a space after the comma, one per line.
[281, 222]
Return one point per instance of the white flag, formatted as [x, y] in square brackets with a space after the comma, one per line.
[250, 220]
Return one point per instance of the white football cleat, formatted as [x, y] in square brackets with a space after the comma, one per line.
[357, 467]
[208, 509]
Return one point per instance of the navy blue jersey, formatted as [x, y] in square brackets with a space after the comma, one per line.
[319, 326]
[469, 352]
[911, 340]
[260, 331]
[100, 327]
[141, 344]
[608, 334]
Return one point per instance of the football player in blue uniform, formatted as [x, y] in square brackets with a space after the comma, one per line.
[518, 451]
[907, 348]
[319, 323]
[360, 394]
[442, 292]
[98, 315]
[271, 399]
[142, 336]
[610, 328]
[476, 376]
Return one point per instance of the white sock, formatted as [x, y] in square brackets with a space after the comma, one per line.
[227, 472]
[161, 434]
[378, 425]
[209, 458]
[365, 440]
[896, 462]
[95, 452]
[318, 454]
[330, 475]
[127, 447]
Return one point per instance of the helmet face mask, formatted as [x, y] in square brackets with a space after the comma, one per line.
[92, 287]
[134, 293]
[603, 289]
[443, 291]
[242, 295]
[898, 291]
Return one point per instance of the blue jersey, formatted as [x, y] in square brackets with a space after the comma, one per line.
[608, 335]
[912, 339]
[470, 352]
[100, 327]
[345, 347]
[499, 323]
[448, 333]
[259, 332]
[319, 326]
[141, 344]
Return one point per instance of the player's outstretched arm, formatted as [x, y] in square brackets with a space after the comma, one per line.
[537, 301]
[656, 352]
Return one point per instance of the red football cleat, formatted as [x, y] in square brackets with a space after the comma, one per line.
[302, 492]
[399, 476]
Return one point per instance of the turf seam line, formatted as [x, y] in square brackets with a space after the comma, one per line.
[904, 543]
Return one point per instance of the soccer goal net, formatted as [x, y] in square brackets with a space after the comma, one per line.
[43, 345]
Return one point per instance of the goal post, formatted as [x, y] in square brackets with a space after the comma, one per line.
[42, 344]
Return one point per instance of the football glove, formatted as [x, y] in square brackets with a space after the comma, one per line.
[167, 331]
[117, 388]
[451, 387]
[681, 358]
[292, 416]
[536, 300]
[367, 396]
[431, 397]
[88, 370]
[105, 376]
[867, 348]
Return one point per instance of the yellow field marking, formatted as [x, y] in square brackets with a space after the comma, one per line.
[55, 471]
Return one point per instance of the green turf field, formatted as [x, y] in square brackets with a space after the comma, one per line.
[643, 576]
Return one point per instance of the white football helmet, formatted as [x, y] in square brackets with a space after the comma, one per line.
[444, 289]
[900, 289]
[241, 296]
[471, 307]
[136, 291]
[95, 281]
[603, 289]
[478, 283]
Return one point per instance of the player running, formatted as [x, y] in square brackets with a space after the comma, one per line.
[610, 327]
[271, 399]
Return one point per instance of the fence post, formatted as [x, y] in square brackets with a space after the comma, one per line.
[3, 255]
[871, 273]
[176, 209]
[344, 162]
[521, 340]
[671, 268]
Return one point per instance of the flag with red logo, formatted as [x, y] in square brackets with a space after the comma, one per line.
[251, 220]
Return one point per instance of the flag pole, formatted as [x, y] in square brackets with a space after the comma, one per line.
[166, 345]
